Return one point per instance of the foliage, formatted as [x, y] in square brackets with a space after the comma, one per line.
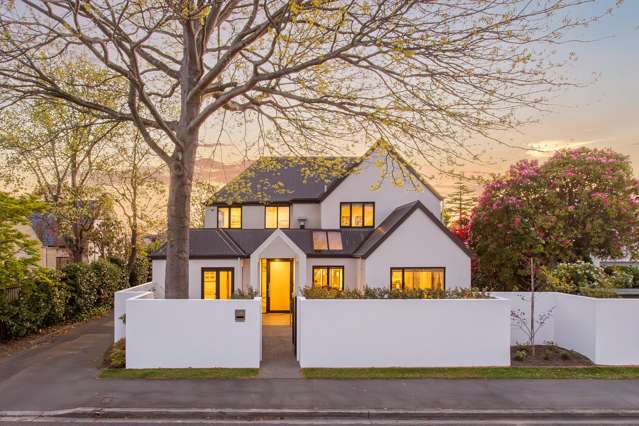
[461, 228]
[580, 203]
[385, 293]
[241, 294]
[140, 273]
[461, 201]
[520, 355]
[579, 278]
[116, 355]
[528, 327]
[623, 276]
[110, 277]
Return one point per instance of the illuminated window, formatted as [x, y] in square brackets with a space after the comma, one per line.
[357, 215]
[329, 277]
[276, 217]
[417, 278]
[327, 240]
[217, 283]
[229, 217]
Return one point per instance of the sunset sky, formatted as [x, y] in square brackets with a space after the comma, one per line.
[605, 113]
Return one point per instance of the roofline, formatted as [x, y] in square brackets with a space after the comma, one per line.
[418, 205]
[202, 256]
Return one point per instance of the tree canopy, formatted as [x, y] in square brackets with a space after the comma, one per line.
[578, 204]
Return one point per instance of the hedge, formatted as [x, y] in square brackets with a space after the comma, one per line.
[49, 297]
[386, 293]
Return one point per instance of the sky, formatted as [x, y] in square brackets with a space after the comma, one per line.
[604, 113]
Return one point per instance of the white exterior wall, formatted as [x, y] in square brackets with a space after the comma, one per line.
[158, 271]
[311, 212]
[186, 333]
[357, 187]
[210, 217]
[252, 217]
[403, 333]
[418, 242]
[350, 270]
[604, 330]
[119, 306]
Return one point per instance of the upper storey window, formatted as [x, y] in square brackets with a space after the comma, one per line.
[229, 217]
[277, 217]
[357, 215]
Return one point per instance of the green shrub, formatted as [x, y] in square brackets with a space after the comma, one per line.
[116, 355]
[83, 289]
[623, 276]
[385, 293]
[580, 278]
[140, 274]
[241, 294]
[520, 355]
[41, 302]
[110, 277]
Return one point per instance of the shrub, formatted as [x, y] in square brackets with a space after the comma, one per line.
[140, 273]
[580, 278]
[385, 293]
[83, 289]
[623, 276]
[241, 294]
[520, 355]
[115, 356]
[110, 277]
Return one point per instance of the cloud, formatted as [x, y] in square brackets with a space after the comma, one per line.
[545, 148]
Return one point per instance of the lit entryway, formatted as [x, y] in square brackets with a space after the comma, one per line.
[278, 356]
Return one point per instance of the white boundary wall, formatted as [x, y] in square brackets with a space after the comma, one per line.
[119, 307]
[604, 330]
[184, 333]
[403, 333]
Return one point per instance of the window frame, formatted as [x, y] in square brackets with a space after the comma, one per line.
[328, 275]
[277, 215]
[229, 210]
[217, 271]
[350, 210]
[409, 268]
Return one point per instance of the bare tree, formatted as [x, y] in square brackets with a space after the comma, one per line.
[309, 74]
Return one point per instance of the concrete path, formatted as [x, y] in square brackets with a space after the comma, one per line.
[278, 357]
[63, 375]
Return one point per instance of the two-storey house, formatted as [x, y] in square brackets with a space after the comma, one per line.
[338, 222]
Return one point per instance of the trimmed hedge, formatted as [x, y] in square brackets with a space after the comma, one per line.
[385, 293]
[49, 297]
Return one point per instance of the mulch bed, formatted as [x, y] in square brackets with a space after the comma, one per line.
[547, 356]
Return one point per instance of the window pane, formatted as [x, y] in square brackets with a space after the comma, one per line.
[396, 279]
[336, 279]
[319, 241]
[408, 279]
[263, 273]
[222, 217]
[226, 285]
[209, 282]
[345, 215]
[438, 280]
[319, 277]
[271, 217]
[236, 217]
[423, 279]
[358, 214]
[369, 214]
[282, 217]
[334, 240]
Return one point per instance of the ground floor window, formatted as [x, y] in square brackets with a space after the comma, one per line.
[418, 278]
[217, 283]
[329, 277]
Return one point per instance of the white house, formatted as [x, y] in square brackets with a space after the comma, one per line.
[340, 222]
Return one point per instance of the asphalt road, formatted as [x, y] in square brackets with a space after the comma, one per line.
[63, 375]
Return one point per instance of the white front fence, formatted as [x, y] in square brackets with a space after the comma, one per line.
[604, 330]
[403, 332]
[184, 333]
[119, 306]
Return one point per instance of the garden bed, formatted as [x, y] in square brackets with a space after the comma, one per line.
[547, 356]
[178, 373]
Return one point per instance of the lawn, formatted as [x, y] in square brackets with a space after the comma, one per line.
[179, 373]
[606, 373]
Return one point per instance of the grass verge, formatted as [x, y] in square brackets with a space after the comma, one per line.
[604, 373]
[178, 373]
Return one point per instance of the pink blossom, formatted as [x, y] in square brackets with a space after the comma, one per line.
[571, 207]
[517, 221]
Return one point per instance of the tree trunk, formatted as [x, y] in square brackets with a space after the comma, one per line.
[130, 265]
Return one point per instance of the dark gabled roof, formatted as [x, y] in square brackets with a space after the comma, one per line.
[394, 220]
[351, 240]
[285, 180]
[207, 243]
[45, 226]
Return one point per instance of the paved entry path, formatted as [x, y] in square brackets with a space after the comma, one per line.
[278, 358]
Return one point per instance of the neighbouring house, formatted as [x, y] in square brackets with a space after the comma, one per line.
[53, 251]
[338, 222]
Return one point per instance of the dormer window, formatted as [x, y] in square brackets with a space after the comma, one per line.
[229, 217]
[357, 215]
[327, 240]
[276, 217]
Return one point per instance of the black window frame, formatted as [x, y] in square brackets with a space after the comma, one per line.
[229, 209]
[217, 271]
[350, 209]
[412, 268]
[277, 215]
[328, 275]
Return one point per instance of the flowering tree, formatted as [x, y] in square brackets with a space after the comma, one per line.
[580, 203]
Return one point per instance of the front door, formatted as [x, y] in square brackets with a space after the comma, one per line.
[279, 282]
